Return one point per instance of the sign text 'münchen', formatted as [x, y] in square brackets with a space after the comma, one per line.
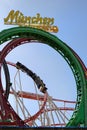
[44, 23]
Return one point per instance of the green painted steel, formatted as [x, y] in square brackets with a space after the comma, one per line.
[79, 117]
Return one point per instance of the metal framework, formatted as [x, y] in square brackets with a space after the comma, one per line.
[22, 35]
[49, 115]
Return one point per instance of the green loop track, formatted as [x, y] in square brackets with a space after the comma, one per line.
[79, 115]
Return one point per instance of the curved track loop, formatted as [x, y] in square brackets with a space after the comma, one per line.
[6, 112]
[7, 115]
[37, 80]
[81, 62]
[79, 115]
[45, 116]
[7, 78]
[40, 85]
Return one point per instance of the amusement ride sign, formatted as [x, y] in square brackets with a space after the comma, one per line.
[17, 18]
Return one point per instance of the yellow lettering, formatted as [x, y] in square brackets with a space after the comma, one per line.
[12, 17]
[34, 20]
[54, 29]
[18, 18]
[39, 19]
[28, 20]
[50, 21]
[46, 28]
[45, 20]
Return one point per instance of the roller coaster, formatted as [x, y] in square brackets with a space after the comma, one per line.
[48, 114]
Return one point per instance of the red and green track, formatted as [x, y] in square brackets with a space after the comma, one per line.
[78, 68]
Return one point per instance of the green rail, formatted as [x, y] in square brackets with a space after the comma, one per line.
[79, 116]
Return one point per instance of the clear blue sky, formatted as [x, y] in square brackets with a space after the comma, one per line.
[71, 18]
